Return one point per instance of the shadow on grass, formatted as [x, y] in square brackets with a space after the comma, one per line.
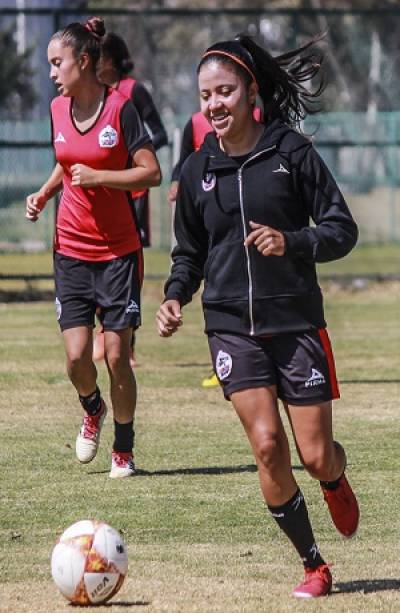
[206, 470]
[367, 586]
[126, 604]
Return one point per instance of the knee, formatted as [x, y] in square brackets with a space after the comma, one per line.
[117, 363]
[75, 363]
[268, 452]
[320, 463]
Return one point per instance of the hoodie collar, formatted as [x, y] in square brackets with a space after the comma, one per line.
[218, 159]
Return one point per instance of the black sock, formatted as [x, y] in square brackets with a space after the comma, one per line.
[91, 403]
[330, 485]
[124, 437]
[292, 518]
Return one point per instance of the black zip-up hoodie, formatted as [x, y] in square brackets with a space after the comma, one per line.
[283, 184]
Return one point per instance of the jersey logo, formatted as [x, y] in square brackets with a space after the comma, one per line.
[223, 365]
[209, 181]
[60, 138]
[108, 137]
[282, 169]
[317, 378]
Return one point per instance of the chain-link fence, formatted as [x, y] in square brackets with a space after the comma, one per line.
[358, 134]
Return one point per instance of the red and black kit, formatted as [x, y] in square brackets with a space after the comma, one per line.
[95, 225]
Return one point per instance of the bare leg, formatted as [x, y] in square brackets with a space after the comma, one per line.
[78, 343]
[122, 380]
[312, 430]
[258, 411]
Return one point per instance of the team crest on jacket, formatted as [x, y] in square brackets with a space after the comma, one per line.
[108, 137]
[223, 365]
[209, 181]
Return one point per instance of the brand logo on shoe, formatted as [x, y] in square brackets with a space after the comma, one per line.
[60, 138]
[282, 169]
[223, 365]
[317, 378]
[209, 181]
[132, 307]
[108, 137]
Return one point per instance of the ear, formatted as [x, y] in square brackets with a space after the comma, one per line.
[253, 91]
[84, 61]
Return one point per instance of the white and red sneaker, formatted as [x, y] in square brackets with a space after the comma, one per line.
[317, 582]
[122, 465]
[87, 441]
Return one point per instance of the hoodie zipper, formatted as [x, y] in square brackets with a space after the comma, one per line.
[240, 180]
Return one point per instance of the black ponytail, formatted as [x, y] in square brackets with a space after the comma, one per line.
[281, 80]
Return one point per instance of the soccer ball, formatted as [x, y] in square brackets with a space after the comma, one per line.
[89, 562]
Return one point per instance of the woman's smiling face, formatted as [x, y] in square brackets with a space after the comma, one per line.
[225, 100]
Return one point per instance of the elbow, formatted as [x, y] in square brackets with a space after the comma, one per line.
[155, 178]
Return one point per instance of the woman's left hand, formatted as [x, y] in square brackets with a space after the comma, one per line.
[83, 176]
[267, 240]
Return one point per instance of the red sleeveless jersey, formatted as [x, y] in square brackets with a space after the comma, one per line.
[96, 223]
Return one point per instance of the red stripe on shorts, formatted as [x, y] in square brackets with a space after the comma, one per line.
[326, 344]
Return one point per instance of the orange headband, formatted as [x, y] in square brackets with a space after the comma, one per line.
[234, 58]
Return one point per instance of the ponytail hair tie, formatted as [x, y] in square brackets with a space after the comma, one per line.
[88, 27]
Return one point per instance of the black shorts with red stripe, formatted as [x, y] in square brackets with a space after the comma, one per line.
[300, 365]
[111, 287]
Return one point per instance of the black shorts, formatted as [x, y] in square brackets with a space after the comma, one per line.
[301, 365]
[114, 286]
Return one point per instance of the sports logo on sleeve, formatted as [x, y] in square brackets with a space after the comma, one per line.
[60, 138]
[223, 365]
[209, 181]
[108, 137]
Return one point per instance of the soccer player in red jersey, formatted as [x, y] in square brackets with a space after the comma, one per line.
[245, 203]
[103, 152]
[113, 68]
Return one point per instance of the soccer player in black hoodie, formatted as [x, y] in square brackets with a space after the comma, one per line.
[244, 205]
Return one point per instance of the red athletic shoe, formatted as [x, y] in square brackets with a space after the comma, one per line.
[317, 582]
[343, 507]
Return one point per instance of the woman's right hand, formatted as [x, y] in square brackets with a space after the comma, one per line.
[168, 318]
[35, 203]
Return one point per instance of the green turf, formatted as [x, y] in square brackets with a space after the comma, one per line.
[374, 259]
[198, 536]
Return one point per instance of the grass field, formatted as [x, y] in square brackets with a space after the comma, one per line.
[198, 536]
